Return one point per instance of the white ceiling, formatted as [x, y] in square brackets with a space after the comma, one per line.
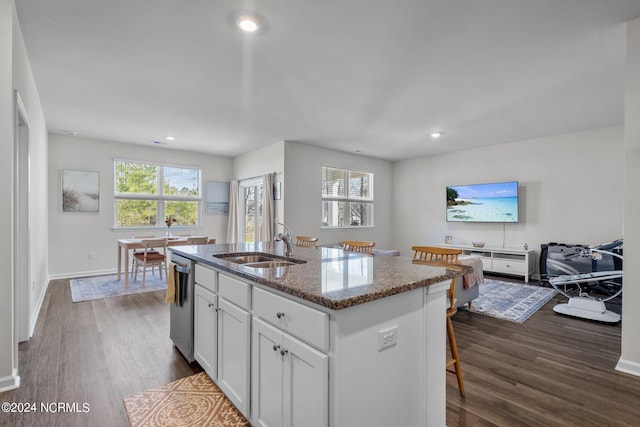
[370, 75]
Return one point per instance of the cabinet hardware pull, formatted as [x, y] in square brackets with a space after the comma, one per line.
[211, 305]
[279, 314]
[284, 351]
[276, 347]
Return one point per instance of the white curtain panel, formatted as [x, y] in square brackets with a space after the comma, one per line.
[233, 229]
[268, 208]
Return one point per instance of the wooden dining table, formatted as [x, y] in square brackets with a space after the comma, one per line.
[131, 244]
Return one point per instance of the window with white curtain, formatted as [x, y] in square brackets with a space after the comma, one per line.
[347, 198]
[146, 194]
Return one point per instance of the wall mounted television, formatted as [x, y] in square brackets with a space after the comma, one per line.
[493, 202]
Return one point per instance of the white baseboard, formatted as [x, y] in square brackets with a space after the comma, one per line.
[82, 274]
[36, 310]
[628, 367]
[10, 383]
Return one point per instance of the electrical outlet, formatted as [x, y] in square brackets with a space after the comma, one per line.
[92, 255]
[387, 337]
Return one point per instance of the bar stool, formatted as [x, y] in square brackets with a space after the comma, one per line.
[357, 246]
[306, 241]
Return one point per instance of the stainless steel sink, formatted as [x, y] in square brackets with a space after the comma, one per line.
[259, 260]
[245, 259]
[269, 264]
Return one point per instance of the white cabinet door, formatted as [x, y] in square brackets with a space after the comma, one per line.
[290, 380]
[266, 404]
[205, 330]
[233, 354]
[305, 385]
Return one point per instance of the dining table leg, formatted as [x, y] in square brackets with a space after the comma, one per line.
[126, 268]
[119, 261]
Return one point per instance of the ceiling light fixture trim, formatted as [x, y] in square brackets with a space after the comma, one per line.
[248, 23]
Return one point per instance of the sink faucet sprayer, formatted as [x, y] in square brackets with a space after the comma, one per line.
[286, 237]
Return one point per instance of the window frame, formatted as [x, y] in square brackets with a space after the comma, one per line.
[346, 199]
[160, 198]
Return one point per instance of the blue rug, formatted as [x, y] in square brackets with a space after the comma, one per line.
[98, 287]
[510, 301]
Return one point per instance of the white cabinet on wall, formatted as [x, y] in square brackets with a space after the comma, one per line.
[289, 379]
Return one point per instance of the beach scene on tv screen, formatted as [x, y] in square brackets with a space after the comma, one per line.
[496, 202]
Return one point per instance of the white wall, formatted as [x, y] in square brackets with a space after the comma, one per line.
[15, 73]
[630, 355]
[570, 188]
[7, 345]
[303, 193]
[38, 191]
[73, 235]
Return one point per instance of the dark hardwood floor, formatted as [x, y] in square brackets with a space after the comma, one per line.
[549, 371]
[94, 352]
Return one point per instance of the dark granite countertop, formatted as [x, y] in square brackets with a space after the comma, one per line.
[328, 277]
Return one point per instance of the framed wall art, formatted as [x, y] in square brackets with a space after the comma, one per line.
[80, 191]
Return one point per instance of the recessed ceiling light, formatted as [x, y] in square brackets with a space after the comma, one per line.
[170, 138]
[248, 23]
[70, 132]
[436, 134]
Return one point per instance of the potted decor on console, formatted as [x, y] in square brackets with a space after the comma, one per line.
[169, 222]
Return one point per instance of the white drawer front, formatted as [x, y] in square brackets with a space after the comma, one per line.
[509, 266]
[207, 278]
[306, 323]
[234, 290]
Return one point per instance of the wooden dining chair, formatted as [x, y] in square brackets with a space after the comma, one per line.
[445, 256]
[135, 251]
[150, 258]
[198, 240]
[306, 241]
[357, 246]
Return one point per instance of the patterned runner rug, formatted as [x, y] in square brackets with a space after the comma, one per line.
[510, 301]
[193, 401]
[98, 287]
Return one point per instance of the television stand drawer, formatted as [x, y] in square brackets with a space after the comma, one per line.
[509, 266]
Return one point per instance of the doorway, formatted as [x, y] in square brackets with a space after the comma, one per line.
[22, 291]
[251, 192]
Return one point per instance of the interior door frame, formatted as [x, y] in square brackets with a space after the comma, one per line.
[22, 236]
[242, 185]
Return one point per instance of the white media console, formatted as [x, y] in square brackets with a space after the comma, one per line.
[519, 262]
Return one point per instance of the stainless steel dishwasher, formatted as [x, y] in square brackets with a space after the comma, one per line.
[181, 312]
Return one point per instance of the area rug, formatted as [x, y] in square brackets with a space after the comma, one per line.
[98, 287]
[191, 401]
[510, 301]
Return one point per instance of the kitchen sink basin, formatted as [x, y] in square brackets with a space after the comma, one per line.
[246, 259]
[270, 264]
[259, 260]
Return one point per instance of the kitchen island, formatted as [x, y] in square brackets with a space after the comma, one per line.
[325, 337]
